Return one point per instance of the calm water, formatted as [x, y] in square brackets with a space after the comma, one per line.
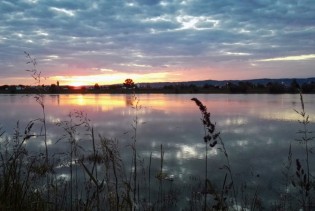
[256, 129]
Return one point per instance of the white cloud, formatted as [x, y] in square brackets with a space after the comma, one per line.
[106, 70]
[63, 11]
[289, 58]
[136, 65]
[150, 34]
[236, 53]
[197, 23]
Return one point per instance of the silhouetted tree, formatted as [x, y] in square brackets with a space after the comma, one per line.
[250, 85]
[4, 87]
[210, 86]
[308, 87]
[129, 83]
[294, 86]
[276, 88]
[115, 86]
[241, 87]
[260, 86]
[53, 88]
[206, 86]
[193, 88]
[168, 87]
[12, 89]
[96, 87]
[83, 88]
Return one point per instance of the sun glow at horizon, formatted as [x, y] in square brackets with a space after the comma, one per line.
[118, 78]
[77, 84]
[113, 77]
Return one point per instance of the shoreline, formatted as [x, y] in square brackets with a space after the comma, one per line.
[152, 91]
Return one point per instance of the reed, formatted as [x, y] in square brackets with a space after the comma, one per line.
[304, 178]
[211, 138]
[39, 97]
[136, 106]
[100, 179]
[286, 197]
[20, 170]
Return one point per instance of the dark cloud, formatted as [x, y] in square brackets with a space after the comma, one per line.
[156, 33]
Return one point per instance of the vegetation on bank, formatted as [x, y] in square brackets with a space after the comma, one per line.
[97, 177]
[130, 87]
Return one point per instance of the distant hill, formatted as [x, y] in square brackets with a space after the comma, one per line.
[263, 81]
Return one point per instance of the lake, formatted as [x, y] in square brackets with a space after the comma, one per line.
[257, 131]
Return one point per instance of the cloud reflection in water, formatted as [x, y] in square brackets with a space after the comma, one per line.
[256, 129]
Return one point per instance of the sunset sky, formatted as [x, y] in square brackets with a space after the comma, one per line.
[106, 41]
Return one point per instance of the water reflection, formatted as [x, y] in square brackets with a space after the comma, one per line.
[55, 99]
[130, 100]
[104, 102]
[256, 129]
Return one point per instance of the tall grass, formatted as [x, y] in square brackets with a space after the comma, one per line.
[304, 180]
[136, 106]
[100, 179]
[92, 175]
[211, 137]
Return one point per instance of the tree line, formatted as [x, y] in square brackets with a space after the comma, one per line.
[272, 87]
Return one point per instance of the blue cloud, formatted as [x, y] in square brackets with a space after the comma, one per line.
[200, 34]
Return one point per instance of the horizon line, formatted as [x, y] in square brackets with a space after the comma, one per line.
[174, 82]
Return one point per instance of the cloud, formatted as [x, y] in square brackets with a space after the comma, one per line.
[63, 11]
[151, 35]
[289, 58]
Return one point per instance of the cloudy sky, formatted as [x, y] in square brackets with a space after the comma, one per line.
[106, 41]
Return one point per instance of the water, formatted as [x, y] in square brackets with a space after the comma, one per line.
[257, 131]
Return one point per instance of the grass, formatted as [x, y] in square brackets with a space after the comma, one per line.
[100, 179]
[305, 181]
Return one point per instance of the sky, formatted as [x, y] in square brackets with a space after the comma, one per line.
[106, 41]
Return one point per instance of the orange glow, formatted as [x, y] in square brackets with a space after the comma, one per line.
[92, 100]
[107, 102]
[108, 77]
[171, 104]
[102, 102]
[116, 78]
[76, 84]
